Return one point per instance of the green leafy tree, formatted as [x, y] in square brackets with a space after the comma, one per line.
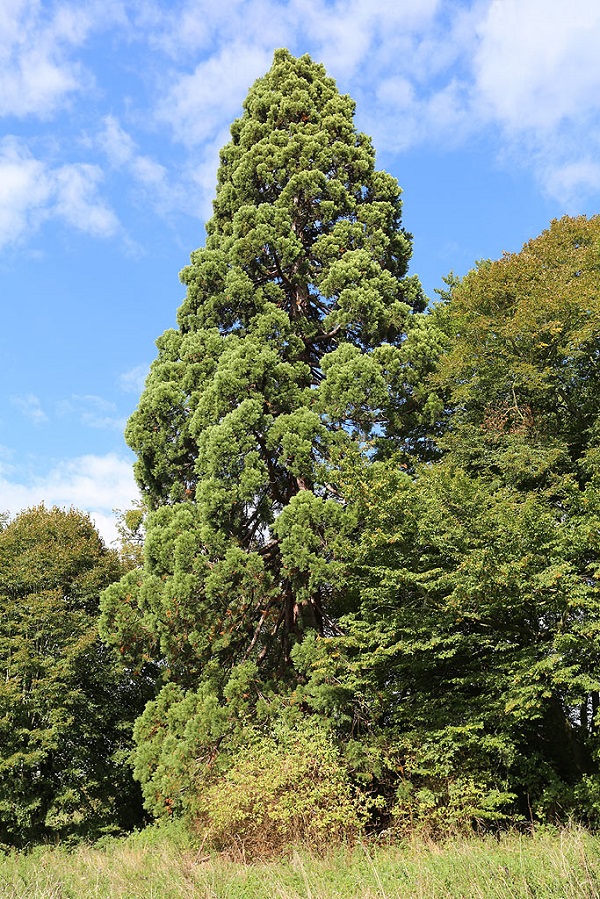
[66, 708]
[523, 371]
[299, 345]
[130, 528]
[473, 655]
[472, 658]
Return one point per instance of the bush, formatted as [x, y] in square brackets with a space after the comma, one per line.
[283, 790]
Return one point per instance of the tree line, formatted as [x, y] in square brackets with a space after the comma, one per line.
[368, 594]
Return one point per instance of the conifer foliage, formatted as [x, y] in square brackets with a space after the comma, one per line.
[300, 348]
[291, 355]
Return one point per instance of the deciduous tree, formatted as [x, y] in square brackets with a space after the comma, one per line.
[523, 370]
[66, 707]
[474, 653]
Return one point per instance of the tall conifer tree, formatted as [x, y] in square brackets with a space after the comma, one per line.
[298, 345]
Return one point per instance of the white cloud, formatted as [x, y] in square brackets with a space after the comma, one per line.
[37, 39]
[198, 104]
[149, 182]
[94, 484]
[25, 191]
[341, 33]
[77, 200]
[33, 76]
[93, 412]
[29, 404]
[133, 381]
[32, 191]
[572, 181]
[116, 143]
[148, 172]
[526, 71]
[538, 63]
[121, 151]
[200, 107]
[537, 76]
[195, 27]
[361, 37]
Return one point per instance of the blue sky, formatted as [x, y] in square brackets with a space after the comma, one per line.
[111, 117]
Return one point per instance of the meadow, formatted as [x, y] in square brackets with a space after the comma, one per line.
[159, 864]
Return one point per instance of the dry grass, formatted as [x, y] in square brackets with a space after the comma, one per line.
[158, 865]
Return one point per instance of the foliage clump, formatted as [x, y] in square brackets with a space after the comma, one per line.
[66, 707]
[473, 652]
[283, 789]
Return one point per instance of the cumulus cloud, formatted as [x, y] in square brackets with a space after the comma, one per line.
[94, 484]
[537, 62]
[33, 191]
[37, 40]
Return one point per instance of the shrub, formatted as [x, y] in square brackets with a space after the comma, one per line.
[282, 790]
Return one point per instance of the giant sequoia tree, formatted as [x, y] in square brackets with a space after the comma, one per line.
[290, 355]
[299, 345]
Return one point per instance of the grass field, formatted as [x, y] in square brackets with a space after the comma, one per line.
[157, 865]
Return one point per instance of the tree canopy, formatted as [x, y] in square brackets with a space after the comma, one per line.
[369, 527]
[524, 362]
[473, 652]
[66, 707]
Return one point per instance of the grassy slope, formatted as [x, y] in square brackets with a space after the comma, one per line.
[562, 866]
